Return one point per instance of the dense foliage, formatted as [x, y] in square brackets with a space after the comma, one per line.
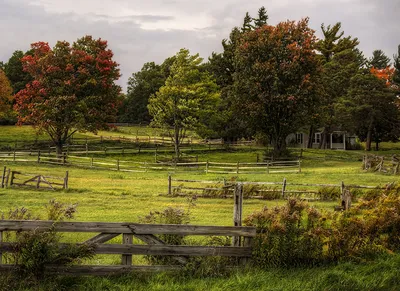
[72, 89]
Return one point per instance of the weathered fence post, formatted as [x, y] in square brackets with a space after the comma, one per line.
[117, 164]
[14, 156]
[38, 182]
[66, 180]
[207, 167]
[258, 157]
[38, 157]
[91, 162]
[3, 177]
[342, 187]
[169, 185]
[64, 158]
[237, 210]
[87, 148]
[299, 166]
[268, 167]
[8, 177]
[12, 178]
[127, 239]
[283, 187]
[237, 168]
[1, 254]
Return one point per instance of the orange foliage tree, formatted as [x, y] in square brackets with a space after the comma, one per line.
[6, 96]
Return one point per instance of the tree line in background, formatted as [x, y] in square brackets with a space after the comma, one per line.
[269, 81]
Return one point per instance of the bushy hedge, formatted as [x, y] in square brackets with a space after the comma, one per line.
[298, 234]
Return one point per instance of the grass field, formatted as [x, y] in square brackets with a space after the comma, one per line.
[114, 196]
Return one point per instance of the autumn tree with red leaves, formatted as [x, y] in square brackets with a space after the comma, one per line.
[275, 81]
[72, 90]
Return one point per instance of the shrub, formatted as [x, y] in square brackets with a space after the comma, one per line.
[326, 193]
[36, 249]
[289, 235]
[169, 215]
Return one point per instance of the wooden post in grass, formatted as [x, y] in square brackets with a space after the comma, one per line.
[38, 157]
[283, 187]
[268, 167]
[117, 164]
[258, 157]
[38, 182]
[237, 210]
[169, 185]
[12, 178]
[127, 239]
[14, 156]
[207, 167]
[7, 178]
[299, 166]
[66, 180]
[87, 148]
[64, 158]
[3, 178]
[237, 168]
[342, 187]
[91, 162]
[1, 254]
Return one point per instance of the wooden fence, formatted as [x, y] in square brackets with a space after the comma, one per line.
[381, 164]
[19, 179]
[148, 243]
[5, 175]
[268, 167]
[255, 190]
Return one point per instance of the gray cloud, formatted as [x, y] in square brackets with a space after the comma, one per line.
[141, 31]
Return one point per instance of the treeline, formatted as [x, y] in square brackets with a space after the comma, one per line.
[269, 81]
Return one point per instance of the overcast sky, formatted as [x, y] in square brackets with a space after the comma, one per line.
[140, 31]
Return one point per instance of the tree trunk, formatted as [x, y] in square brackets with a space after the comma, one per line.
[59, 148]
[369, 139]
[310, 137]
[324, 139]
[377, 145]
[176, 142]
[279, 145]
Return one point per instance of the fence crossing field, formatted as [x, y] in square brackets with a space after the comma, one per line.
[255, 190]
[267, 167]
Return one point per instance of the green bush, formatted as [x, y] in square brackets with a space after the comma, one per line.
[297, 234]
[35, 250]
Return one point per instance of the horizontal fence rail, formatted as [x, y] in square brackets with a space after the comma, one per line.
[150, 243]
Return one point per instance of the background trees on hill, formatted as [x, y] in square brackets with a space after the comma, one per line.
[15, 72]
[187, 99]
[375, 116]
[72, 88]
[274, 80]
[6, 96]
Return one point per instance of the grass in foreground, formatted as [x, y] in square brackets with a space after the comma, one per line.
[382, 274]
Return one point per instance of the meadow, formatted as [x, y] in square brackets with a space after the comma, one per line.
[113, 196]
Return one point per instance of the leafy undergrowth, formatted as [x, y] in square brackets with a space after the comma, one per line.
[382, 274]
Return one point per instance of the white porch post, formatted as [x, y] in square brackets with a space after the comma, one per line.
[344, 141]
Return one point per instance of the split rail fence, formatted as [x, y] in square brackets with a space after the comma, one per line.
[11, 178]
[148, 243]
[255, 190]
[268, 167]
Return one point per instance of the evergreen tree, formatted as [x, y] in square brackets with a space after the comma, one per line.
[15, 73]
[379, 60]
[262, 17]
[396, 64]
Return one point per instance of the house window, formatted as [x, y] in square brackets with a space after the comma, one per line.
[299, 138]
[317, 138]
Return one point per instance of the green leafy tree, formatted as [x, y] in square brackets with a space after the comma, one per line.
[15, 73]
[227, 124]
[340, 60]
[72, 89]
[379, 60]
[274, 80]
[396, 65]
[188, 96]
[141, 86]
[372, 107]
